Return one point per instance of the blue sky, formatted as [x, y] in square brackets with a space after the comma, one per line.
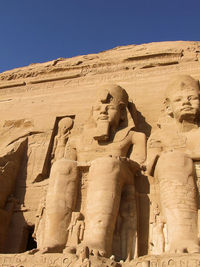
[34, 31]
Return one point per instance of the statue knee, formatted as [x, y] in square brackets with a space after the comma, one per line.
[105, 165]
[64, 166]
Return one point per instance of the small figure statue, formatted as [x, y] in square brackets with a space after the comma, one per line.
[61, 138]
[172, 149]
[157, 240]
[83, 257]
[128, 227]
[75, 230]
[39, 223]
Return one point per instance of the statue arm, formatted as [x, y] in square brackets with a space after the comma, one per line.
[154, 149]
[70, 150]
[138, 153]
[54, 146]
[82, 228]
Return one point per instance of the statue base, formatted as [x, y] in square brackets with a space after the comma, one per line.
[70, 260]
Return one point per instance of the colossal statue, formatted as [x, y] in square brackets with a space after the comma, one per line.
[172, 151]
[113, 152]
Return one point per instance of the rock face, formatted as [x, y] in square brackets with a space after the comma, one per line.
[100, 159]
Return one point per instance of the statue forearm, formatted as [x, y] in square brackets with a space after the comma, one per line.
[139, 148]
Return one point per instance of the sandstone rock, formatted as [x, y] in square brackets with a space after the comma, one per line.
[74, 186]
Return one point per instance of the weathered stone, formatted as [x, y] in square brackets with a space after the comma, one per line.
[78, 187]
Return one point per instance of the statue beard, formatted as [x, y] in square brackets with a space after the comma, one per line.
[188, 117]
[102, 130]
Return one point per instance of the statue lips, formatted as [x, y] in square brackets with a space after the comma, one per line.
[103, 117]
[187, 108]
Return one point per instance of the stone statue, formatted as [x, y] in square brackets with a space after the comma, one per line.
[61, 138]
[113, 152]
[83, 257]
[75, 230]
[157, 239]
[128, 213]
[11, 158]
[172, 150]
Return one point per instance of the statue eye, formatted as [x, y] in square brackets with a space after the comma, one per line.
[178, 99]
[96, 107]
[111, 107]
[192, 97]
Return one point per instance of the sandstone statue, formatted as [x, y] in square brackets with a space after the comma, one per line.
[172, 151]
[10, 162]
[75, 230]
[113, 151]
[158, 238]
[128, 226]
[61, 138]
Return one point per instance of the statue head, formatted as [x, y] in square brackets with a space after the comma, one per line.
[182, 98]
[64, 125]
[109, 110]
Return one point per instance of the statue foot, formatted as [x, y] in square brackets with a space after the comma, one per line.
[185, 248]
[193, 249]
[32, 251]
[70, 250]
[97, 252]
[49, 250]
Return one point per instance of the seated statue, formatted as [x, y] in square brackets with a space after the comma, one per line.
[172, 151]
[113, 152]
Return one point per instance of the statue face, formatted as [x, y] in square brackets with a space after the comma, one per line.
[106, 112]
[185, 103]
[64, 129]
[64, 125]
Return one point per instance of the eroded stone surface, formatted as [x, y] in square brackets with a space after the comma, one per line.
[74, 189]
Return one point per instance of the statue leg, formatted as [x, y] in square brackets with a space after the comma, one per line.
[105, 183]
[178, 196]
[60, 202]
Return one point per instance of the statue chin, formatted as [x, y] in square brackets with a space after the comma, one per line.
[102, 131]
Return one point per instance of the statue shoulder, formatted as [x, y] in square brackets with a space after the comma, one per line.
[155, 139]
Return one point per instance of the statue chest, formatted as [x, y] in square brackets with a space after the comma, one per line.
[88, 151]
[188, 141]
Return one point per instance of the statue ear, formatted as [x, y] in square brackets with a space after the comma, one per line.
[168, 108]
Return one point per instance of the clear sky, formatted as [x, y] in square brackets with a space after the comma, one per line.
[34, 31]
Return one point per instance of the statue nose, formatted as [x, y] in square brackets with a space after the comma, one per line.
[186, 101]
[103, 110]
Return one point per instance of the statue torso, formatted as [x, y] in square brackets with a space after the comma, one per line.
[88, 149]
[173, 140]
